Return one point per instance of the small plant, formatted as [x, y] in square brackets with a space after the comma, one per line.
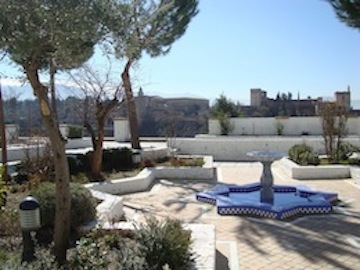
[147, 163]
[44, 260]
[345, 150]
[107, 249]
[279, 127]
[36, 169]
[188, 162]
[303, 155]
[165, 243]
[226, 127]
[82, 206]
[75, 132]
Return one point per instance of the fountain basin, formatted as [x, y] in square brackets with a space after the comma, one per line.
[286, 201]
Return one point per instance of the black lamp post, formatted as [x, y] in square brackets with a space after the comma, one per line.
[30, 223]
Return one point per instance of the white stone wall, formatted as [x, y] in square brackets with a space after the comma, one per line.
[231, 148]
[121, 130]
[316, 172]
[21, 152]
[293, 126]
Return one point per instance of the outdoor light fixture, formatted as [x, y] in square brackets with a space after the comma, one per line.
[30, 223]
[136, 156]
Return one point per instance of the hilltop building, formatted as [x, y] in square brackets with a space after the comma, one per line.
[285, 105]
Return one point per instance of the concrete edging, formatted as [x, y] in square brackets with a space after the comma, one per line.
[316, 172]
[111, 207]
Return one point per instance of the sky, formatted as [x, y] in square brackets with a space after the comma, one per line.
[231, 46]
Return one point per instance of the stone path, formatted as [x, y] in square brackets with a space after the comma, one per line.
[314, 242]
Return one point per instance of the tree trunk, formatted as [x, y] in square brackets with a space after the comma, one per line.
[62, 176]
[97, 156]
[132, 115]
[3, 139]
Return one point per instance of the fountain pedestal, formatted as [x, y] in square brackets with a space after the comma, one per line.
[267, 180]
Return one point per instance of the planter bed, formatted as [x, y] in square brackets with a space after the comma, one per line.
[316, 172]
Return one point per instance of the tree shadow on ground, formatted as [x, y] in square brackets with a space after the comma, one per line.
[179, 195]
[315, 238]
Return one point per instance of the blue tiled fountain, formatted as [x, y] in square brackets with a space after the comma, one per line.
[265, 199]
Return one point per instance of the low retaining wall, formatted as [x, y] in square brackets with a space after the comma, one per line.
[316, 172]
[154, 153]
[137, 183]
[355, 172]
[21, 152]
[111, 208]
[78, 143]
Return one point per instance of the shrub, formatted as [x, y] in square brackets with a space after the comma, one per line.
[78, 163]
[121, 253]
[36, 169]
[279, 126]
[44, 260]
[75, 132]
[155, 245]
[165, 243]
[82, 205]
[117, 159]
[226, 126]
[303, 155]
[345, 150]
[9, 222]
[188, 162]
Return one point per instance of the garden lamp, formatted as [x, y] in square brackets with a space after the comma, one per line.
[30, 223]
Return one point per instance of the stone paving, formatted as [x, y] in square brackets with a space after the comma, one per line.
[313, 242]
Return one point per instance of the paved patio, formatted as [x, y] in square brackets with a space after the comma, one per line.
[313, 242]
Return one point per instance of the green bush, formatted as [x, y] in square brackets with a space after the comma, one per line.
[345, 150]
[279, 126]
[165, 243]
[9, 222]
[226, 127]
[151, 246]
[75, 132]
[44, 260]
[78, 163]
[117, 159]
[303, 155]
[121, 253]
[82, 205]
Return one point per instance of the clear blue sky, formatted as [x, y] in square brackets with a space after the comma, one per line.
[279, 46]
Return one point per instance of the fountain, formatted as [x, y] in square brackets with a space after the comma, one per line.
[265, 199]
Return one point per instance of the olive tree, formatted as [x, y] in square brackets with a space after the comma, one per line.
[333, 118]
[101, 97]
[31, 33]
[146, 26]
